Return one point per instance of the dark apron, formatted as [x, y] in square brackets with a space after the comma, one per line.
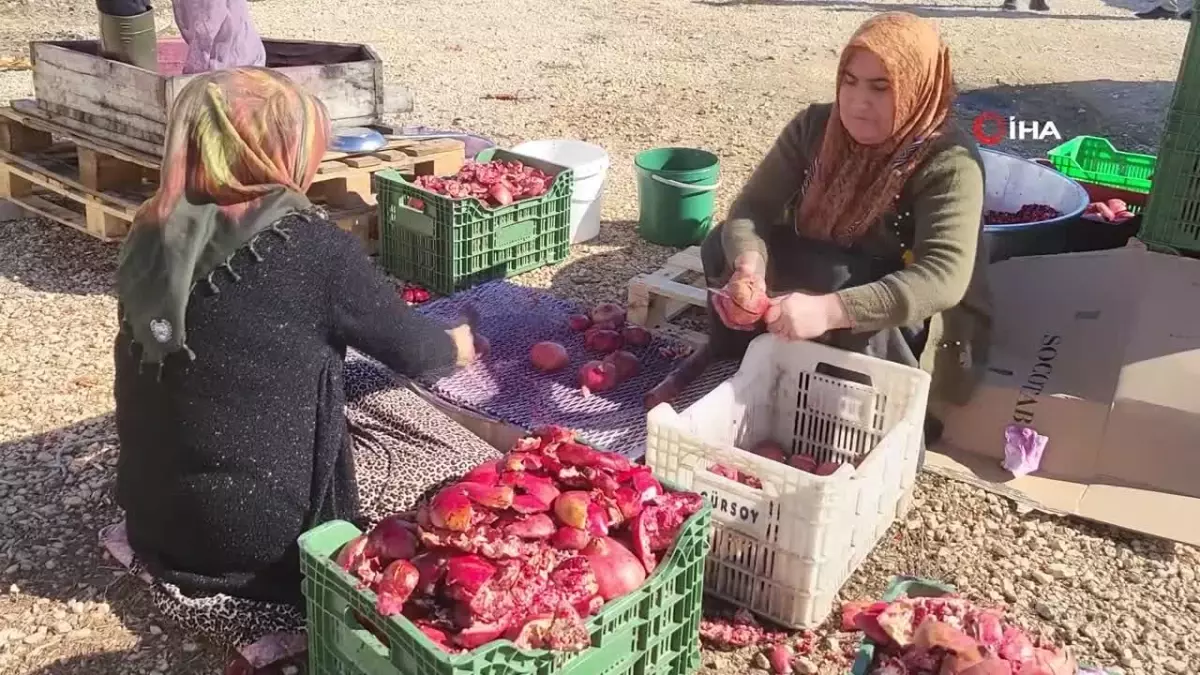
[795, 264]
[799, 264]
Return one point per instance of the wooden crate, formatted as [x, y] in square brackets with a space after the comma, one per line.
[129, 106]
[96, 186]
[657, 298]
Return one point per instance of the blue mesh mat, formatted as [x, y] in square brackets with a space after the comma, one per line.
[506, 386]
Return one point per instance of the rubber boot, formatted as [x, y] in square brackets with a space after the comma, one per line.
[130, 39]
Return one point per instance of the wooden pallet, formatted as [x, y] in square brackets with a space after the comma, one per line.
[95, 186]
[657, 298]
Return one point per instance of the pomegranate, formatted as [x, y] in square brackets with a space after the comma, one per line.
[803, 462]
[487, 473]
[431, 567]
[394, 587]
[577, 454]
[627, 364]
[450, 509]
[465, 575]
[608, 316]
[744, 301]
[636, 336]
[618, 571]
[770, 449]
[549, 357]
[779, 656]
[597, 376]
[724, 471]
[574, 508]
[522, 461]
[602, 340]
[493, 497]
[827, 468]
[579, 322]
[569, 538]
[393, 539]
[530, 484]
[477, 634]
[358, 561]
[529, 504]
[628, 502]
[534, 526]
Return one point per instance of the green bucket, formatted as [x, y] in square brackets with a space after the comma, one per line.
[677, 190]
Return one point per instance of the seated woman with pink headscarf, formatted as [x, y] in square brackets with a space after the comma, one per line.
[243, 416]
[863, 221]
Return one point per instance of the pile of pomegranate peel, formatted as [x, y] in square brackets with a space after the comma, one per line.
[950, 636]
[525, 547]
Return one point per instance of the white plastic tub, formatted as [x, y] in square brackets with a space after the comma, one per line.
[590, 163]
[785, 550]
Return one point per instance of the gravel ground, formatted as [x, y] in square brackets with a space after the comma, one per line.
[629, 75]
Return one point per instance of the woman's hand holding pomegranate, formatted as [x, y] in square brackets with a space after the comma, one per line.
[802, 316]
[744, 298]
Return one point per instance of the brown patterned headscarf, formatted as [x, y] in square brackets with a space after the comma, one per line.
[851, 185]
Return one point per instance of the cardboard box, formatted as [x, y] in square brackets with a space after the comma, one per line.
[1101, 353]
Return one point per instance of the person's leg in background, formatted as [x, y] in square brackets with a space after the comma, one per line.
[1168, 9]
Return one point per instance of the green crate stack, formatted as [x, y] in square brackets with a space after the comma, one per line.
[1172, 218]
[448, 245]
[1094, 160]
[1186, 98]
[652, 631]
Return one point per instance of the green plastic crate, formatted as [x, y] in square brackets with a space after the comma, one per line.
[1171, 221]
[448, 245]
[1094, 160]
[652, 631]
[1186, 97]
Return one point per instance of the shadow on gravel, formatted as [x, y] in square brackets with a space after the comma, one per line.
[61, 485]
[933, 12]
[50, 258]
[602, 277]
[1113, 109]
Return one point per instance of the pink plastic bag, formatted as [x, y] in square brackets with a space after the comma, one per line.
[1023, 448]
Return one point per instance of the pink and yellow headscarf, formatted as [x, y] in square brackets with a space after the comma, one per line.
[242, 148]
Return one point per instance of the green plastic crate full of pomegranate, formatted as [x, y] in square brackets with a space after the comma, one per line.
[556, 558]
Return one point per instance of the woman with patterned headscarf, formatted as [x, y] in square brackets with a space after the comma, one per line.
[241, 423]
[863, 221]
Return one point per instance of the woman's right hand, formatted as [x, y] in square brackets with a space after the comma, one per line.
[748, 266]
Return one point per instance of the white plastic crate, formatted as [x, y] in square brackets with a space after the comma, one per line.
[784, 551]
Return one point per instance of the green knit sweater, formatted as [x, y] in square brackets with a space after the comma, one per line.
[943, 204]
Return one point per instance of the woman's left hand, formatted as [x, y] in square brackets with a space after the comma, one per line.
[801, 316]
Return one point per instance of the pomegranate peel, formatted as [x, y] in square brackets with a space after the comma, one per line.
[537, 486]
[529, 504]
[466, 574]
[636, 336]
[572, 509]
[608, 314]
[579, 322]
[394, 587]
[535, 526]
[451, 509]
[487, 473]
[568, 538]
[493, 497]
[393, 538]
